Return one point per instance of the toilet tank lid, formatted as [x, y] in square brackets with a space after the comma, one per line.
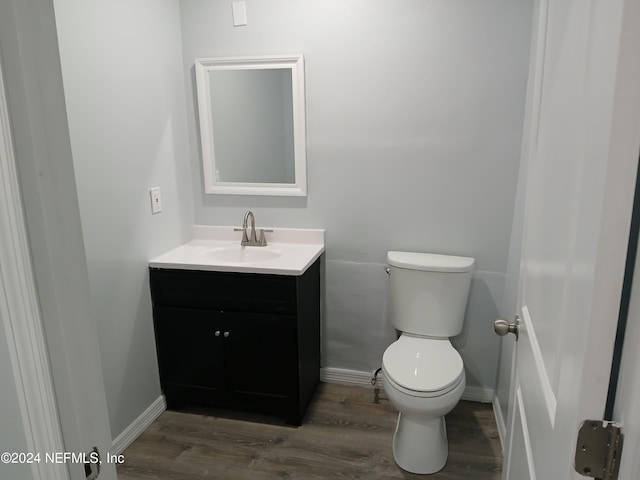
[430, 262]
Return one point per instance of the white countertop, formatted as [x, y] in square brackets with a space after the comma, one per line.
[290, 251]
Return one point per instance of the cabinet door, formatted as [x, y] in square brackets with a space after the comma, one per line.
[262, 357]
[190, 347]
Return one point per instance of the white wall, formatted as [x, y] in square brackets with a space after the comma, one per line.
[13, 438]
[28, 43]
[125, 101]
[414, 118]
[12, 426]
[414, 114]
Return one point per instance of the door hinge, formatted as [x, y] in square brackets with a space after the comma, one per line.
[598, 449]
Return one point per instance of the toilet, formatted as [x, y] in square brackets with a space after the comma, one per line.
[423, 374]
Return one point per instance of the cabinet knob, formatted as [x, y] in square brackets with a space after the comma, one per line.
[217, 334]
[226, 334]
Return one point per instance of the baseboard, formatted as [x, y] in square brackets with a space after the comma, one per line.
[132, 432]
[478, 394]
[356, 377]
[500, 422]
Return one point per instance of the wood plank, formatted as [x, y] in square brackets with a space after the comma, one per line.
[346, 434]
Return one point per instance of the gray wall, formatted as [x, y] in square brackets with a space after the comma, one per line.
[414, 118]
[12, 438]
[125, 101]
[29, 48]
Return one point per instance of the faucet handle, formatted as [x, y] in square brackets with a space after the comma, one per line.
[245, 237]
[263, 240]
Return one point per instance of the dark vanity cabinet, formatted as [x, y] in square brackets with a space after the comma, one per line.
[238, 340]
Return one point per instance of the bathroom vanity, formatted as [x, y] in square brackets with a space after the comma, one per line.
[239, 327]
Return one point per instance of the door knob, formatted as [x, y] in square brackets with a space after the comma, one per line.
[502, 327]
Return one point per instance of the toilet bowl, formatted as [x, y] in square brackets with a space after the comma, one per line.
[424, 379]
[423, 374]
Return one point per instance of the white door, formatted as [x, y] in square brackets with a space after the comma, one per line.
[627, 406]
[580, 152]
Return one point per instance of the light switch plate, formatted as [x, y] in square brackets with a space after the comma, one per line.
[239, 10]
[156, 200]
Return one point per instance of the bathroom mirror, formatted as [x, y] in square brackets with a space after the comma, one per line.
[252, 124]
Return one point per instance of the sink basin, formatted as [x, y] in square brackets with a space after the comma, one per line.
[243, 254]
[290, 251]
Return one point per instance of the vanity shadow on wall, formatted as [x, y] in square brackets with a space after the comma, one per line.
[238, 340]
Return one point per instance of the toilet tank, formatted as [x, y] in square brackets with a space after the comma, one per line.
[428, 292]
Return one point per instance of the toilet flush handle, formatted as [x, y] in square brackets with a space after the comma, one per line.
[502, 327]
[387, 270]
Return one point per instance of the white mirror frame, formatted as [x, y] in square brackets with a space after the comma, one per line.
[296, 63]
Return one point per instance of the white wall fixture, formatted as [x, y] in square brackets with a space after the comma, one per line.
[156, 200]
[239, 10]
[252, 124]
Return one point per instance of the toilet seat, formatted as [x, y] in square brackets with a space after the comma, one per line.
[423, 367]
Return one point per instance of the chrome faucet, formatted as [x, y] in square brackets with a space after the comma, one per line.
[250, 239]
[245, 238]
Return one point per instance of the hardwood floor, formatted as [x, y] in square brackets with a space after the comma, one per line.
[346, 435]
